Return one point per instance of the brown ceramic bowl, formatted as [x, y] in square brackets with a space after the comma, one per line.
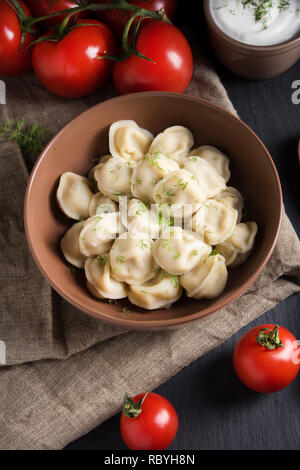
[253, 62]
[73, 148]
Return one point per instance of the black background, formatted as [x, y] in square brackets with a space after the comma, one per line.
[215, 410]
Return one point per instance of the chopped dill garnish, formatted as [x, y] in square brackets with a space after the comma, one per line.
[181, 183]
[102, 259]
[72, 270]
[174, 280]
[167, 191]
[262, 9]
[142, 244]
[142, 208]
[167, 244]
[153, 159]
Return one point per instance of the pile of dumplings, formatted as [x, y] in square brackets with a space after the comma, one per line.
[155, 217]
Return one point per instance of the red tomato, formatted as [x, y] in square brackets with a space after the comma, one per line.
[70, 67]
[155, 425]
[116, 19]
[267, 370]
[173, 67]
[13, 59]
[45, 7]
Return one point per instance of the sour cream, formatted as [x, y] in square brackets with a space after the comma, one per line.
[280, 22]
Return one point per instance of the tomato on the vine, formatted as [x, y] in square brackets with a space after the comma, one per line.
[171, 68]
[116, 19]
[148, 422]
[14, 58]
[72, 67]
[46, 7]
[267, 358]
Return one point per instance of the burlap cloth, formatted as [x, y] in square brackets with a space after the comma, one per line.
[66, 372]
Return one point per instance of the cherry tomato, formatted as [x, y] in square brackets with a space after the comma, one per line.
[148, 422]
[266, 359]
[116, 19]
[70, 67]
[13, 59]
[173, 67]
[45, 7]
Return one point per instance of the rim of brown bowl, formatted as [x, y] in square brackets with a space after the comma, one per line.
[262, 50]
[173, 322]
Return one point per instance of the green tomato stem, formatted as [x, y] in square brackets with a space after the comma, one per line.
[269, 339]
[27, 23]
[132, 409]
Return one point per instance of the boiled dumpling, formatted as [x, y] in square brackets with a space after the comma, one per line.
[233, 197]
[163, 290]
[207, 280]
[99, 280]
[98, 233]
[74, 195]
[179, 190]
[138, 219]
[175, 142]
[238, 247]
[215, 157]
[148, 172]
[129, 141]
[131, 259]
[209, 179]
[102, 160]
[178, 251]
[101, 204]
[215, 221]
[70, 245]
[113, 178]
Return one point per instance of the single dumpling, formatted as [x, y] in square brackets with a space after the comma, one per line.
[215, 221]
[163, 290]
[131, 259]
[234, 198]
[70, 245]
[207, 280]
[101, 204]
[129, 141]
[178, 250]
[179, 190]
[139, 220]
[209, 179]
[98, 233]
[215, 157]
[148, 172]
[175, 142]
[74, 195]
[113, 178]
[99, 280]
[238, 247]
[102, 160]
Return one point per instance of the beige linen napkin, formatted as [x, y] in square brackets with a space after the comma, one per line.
[65, 372]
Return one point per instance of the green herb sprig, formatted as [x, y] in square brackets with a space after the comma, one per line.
[30, 139]
[261, 8]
